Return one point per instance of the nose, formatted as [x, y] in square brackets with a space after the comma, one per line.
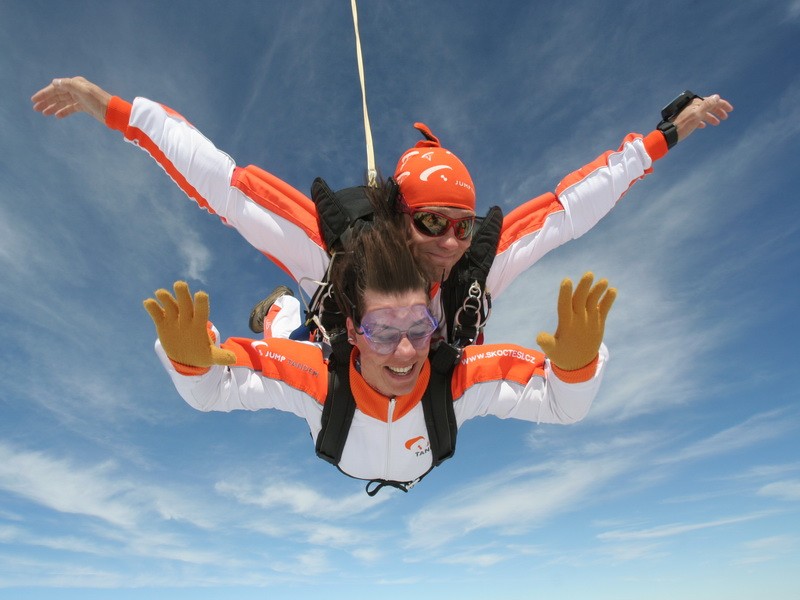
[448, 240]
[405, 349]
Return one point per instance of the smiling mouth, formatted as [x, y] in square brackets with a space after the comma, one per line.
[401, 371]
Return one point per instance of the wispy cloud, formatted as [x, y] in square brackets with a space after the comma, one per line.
[788, 490]
[298, 499]
[502, 504]
[755, 430]
[673, 529]
[62, 485]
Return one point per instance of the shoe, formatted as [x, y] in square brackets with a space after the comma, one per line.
[261, 309]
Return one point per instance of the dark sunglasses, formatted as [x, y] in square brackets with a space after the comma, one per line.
[434, 224]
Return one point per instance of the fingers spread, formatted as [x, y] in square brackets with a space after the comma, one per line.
[184, 300]
[565, 304]
[201, 309]
[155, 311]
[169, 304]
[606, 302]
[594, 295]
[582, 293]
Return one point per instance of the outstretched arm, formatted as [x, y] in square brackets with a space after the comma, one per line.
[69, 95]
[588, 194]
[270, 214]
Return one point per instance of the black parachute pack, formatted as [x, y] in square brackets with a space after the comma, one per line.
[466, 305]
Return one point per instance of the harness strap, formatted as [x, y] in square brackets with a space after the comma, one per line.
[465, 300]
[437, 404]
[339, 211]
[339, 408]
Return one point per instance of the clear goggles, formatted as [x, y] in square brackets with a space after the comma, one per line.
[384, 328]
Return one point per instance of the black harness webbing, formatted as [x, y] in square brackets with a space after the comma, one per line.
[437, 407]
[340, 406]
[464, 291]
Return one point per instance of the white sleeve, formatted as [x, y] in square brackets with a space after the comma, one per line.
[542, 400]
[275, 218]
[583, 198]
[226, 389]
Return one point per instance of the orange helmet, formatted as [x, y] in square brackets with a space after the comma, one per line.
[429, 175]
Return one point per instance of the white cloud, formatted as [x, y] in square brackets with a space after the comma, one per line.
[504, 504]
[788, 491]
[310, 563]
[478, 559]
[62, 485]
[755, 430]
[793, 9]
[299, 499]
[673, 529]
[766, 549]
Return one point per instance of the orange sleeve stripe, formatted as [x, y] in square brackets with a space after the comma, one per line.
[246, 355]
[133, 133]
[118, 114]
[530, 216]
[656, 145]
[189, 370]
[577, 375]
[279, 198]
[602, 161]
[495, 363]
[278, 264]
[298, 365]
[527, 218]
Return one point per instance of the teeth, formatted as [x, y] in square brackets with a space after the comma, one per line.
[399, 371]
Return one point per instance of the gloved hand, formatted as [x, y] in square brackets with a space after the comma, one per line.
[181, 325]
[581, 321]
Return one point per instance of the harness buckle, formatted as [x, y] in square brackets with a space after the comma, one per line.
[474, 303]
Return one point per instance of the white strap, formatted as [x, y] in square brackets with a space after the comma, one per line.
[372, 173]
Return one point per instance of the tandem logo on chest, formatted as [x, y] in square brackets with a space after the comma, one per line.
[418, 445]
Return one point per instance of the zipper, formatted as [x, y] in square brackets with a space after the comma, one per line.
[389, 417]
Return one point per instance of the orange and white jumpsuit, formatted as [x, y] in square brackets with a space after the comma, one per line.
[281, 222]
[388, 437]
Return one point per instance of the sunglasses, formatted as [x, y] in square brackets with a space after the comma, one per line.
[382, 335]
[434, 224]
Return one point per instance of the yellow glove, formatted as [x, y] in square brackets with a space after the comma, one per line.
[581, 321]
[181, 325]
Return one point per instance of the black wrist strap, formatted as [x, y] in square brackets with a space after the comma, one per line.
[672, 110]
[670, 132]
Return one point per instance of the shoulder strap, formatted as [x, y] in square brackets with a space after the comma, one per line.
[338, 211]
[340, 406]
[465, 299]
[437, 403]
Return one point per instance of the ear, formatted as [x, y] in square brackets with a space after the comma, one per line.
[351, 331]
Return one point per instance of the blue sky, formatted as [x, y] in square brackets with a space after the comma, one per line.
[683, 481]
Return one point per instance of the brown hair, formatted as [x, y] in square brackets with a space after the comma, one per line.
[376, 256]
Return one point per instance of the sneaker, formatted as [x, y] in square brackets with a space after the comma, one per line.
[261, 309]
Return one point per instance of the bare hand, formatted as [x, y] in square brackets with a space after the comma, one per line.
[67, 96]
[710, 110]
